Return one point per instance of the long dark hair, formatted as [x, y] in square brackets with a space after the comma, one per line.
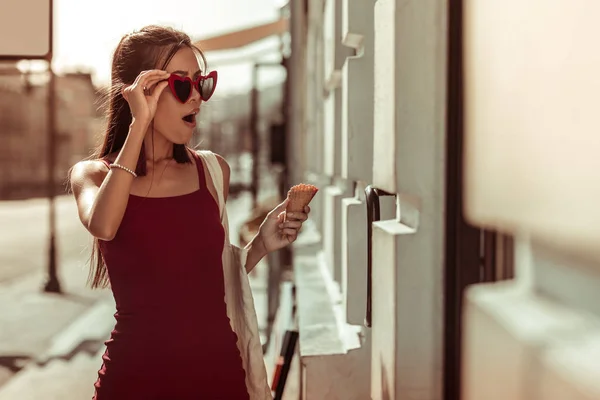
[136, 52]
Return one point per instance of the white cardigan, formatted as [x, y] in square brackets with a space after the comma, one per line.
[238, 297]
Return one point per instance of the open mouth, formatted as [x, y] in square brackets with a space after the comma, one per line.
[189, 118]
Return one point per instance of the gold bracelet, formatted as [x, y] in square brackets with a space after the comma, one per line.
[114, 165]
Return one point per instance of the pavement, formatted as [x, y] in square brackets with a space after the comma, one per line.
[51, 344]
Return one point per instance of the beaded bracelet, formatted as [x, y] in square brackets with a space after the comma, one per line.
[124, 169]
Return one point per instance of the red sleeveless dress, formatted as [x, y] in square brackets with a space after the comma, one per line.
[172, 339]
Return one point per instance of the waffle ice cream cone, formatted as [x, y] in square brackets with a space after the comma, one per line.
[300, 195]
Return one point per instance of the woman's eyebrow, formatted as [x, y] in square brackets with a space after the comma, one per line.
[186, 73]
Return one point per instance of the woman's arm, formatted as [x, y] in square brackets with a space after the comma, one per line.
[101, 193]
[255, 249]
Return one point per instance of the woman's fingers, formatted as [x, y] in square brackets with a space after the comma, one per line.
[291, 224]
[154, 75]
[145, 75]
[143, 83]
[145, 80]
[139, 81]
[157, 91]
[155, 85]
[150, 79]
[290, 233]
[290, 228]
[298, 216]
[281, 217]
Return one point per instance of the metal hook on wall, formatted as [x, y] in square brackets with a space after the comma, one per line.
[373, 214]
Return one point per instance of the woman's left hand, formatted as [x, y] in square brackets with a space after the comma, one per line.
[275, 233]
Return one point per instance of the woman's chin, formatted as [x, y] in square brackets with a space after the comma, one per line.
[182, 139]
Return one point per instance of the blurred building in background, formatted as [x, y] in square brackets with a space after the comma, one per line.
[23, 154]
[224, 127]
[224, 124]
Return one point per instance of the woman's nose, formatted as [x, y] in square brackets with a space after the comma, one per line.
[195, 94]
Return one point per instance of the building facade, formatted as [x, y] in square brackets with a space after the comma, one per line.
[448, 159]
[370, 298]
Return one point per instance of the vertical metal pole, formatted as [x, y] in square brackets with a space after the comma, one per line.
[254, 135]
[52, 283]
[285, 106]
[295, 140]
[284, 177]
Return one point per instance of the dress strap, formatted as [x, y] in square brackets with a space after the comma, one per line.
[200, 169]
[105, 162]
[216, 176]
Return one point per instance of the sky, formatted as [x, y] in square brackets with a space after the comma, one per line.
[86, 33]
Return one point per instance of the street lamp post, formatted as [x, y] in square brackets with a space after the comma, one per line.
[254, 135]
[52, 283]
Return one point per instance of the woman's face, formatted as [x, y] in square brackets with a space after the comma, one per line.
[169, 118]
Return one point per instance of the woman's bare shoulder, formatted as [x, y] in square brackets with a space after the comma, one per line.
[222, 162]
[89, 170]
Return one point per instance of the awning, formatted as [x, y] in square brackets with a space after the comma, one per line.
[244, 37]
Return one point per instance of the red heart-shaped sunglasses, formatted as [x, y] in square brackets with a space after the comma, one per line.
[181, 87]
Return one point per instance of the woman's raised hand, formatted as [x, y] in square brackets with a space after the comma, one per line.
[142, 95]
[276, 233]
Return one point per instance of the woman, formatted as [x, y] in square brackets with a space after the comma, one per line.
[151, 205]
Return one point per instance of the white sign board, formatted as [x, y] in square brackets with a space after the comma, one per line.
[25, 29]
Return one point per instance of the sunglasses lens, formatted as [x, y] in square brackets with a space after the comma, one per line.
[207, 87]
[182, 90]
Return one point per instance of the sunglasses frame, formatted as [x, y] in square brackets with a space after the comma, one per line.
[195, 84]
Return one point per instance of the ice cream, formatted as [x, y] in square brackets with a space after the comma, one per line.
[299, 196]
